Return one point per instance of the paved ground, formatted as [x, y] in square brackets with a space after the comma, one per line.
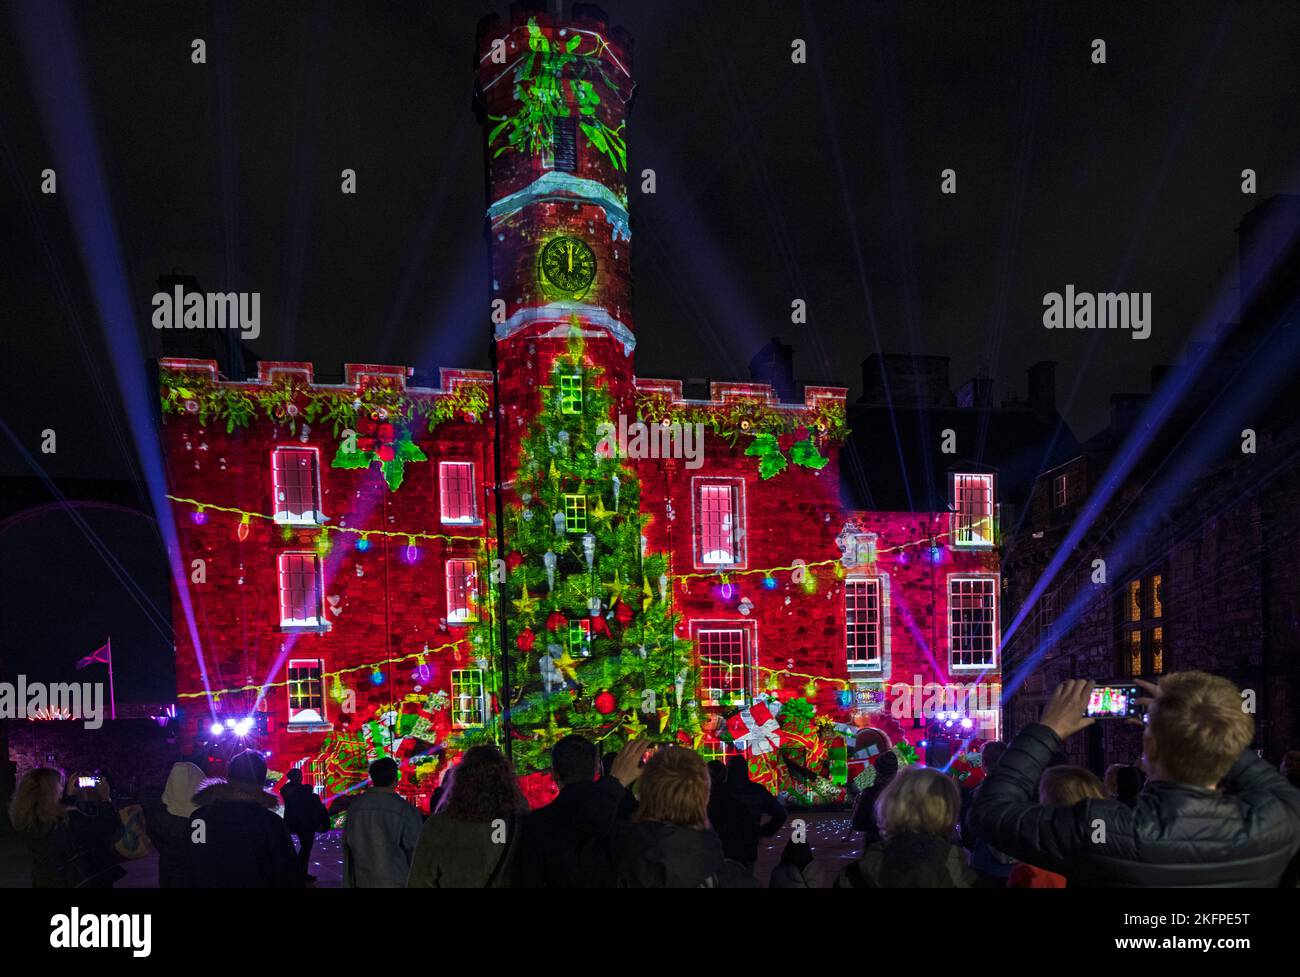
[825, 832]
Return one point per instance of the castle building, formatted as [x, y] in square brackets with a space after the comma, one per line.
[559, 545]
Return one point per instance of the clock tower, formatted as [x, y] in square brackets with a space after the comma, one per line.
[553, 95]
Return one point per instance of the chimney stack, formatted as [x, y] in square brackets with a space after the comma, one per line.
[1042, 386]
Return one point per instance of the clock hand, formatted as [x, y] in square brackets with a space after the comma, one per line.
[570, 257]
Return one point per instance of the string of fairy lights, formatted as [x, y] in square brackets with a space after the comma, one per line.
[418, 657]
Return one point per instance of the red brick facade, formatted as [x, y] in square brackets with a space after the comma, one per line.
[382, 600]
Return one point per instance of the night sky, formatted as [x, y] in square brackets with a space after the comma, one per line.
[776, 181]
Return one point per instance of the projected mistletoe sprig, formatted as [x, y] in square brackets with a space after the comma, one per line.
[539, 89]
[289, 402]
[589, 631]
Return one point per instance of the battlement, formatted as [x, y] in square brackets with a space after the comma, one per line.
[356, 376]
[723, 392]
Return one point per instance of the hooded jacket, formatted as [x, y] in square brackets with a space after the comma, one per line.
[243, 843]
[1241, 835]
[654, 855]
[169, 827]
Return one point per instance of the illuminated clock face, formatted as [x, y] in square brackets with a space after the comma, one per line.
[568, 264]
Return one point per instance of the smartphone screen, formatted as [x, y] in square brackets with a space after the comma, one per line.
[1113, 702]
[87, 781]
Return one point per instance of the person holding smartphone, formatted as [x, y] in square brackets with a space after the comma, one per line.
[95, 826]
[1212, 813]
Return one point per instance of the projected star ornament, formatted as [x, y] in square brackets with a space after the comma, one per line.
[526, 604]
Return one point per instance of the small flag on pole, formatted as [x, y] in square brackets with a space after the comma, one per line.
[98, 657]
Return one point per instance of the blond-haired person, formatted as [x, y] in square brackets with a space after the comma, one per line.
[69, 832]
[917, 816]
[1212, 812]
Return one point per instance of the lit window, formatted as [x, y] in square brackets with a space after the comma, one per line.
[570, 393]
[300, 590]
[468, 699]
[718, 524]
[972, 621]
[724, 667]
[456, 491]
[580, 639]
[1060, 491]
[462, 591]
[306, 679]
[295, 475]
[1047, 608]
[715, 750]
[972, 503]
[1142, 648]
[862, 623]
[575, 513]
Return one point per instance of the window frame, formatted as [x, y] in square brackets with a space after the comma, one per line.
[282, 517]
[963, 519]
[880, 585]
[748, 631]
[739, 536]
[458, 589]
[473, 519]
[575, 505]
[287, 622]
[294, 721]
[1060, 491]
[571, 394]
[479, 682]
[578, 628]
[1148, 627]
[552, 157]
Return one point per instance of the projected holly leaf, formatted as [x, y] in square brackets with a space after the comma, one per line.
[394, 472]
[805, 453]
[352, 459]
[408, 450]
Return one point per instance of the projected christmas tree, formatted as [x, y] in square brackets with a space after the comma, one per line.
[589, 624]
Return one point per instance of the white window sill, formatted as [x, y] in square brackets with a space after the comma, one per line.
[308, 727]
[462, 522]
[320, 627]
[304, 523]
